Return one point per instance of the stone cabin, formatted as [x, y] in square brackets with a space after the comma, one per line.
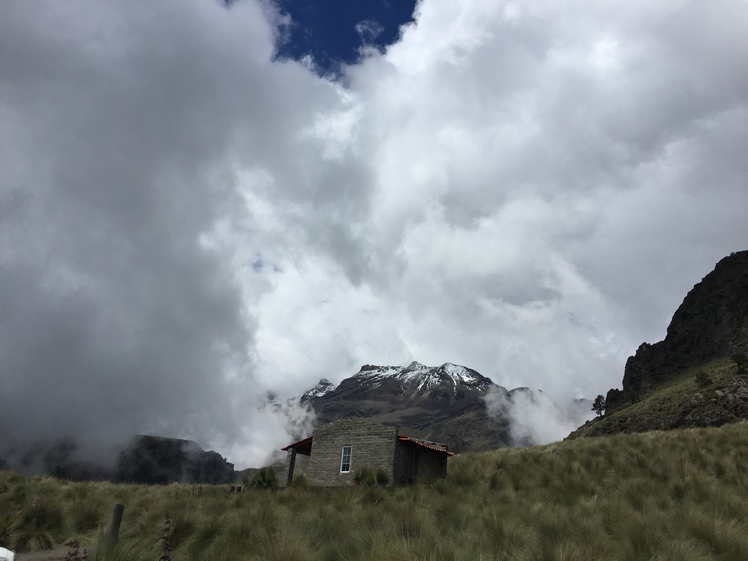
[331, 456]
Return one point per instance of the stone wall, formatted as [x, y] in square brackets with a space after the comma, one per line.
[373, 446]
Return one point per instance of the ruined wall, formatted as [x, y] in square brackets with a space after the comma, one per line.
[373, 446]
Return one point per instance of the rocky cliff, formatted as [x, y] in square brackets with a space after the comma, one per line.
[690, 378]
[711, 322]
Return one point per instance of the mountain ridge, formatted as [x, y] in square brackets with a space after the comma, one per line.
[689, 378]
[711, 322]
[450, 403]
[439, 403]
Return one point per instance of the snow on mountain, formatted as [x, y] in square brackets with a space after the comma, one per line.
[439, 403]
[323, 387]
[448, 403]
[423, 376]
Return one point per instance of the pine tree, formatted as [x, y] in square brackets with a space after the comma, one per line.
[598, 406]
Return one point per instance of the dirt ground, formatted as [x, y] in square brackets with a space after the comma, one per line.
[55, 554]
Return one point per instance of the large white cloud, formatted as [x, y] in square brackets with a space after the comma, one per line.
[528, 189]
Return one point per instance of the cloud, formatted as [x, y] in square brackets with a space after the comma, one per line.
[536, 418]
[368, 30]
[117, 317]
[185, 224]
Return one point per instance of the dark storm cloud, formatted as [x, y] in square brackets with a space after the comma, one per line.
[119, 132]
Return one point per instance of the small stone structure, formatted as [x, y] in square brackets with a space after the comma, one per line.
[336, 450]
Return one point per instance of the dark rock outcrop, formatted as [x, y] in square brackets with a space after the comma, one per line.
[59, 459]
[711, 322]
[159, 460]
[145, 459]
[691, 378]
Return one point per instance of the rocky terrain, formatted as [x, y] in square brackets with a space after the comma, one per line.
[689, 378]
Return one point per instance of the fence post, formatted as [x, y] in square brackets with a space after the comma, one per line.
[119, 509]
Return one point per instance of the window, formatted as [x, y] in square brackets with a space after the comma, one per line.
[345, 459]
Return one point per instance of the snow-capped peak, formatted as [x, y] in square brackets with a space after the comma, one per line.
[461, 375]
[324, 386]
[428, 376]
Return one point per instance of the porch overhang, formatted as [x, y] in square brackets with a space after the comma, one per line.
[303, 446]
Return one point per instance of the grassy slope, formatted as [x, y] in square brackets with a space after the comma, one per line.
[660, 408]
[678, 495]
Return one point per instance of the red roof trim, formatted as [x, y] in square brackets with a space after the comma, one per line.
[417, 443]
[298, 443]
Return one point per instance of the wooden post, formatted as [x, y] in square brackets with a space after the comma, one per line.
[291, 463]
[119, 509]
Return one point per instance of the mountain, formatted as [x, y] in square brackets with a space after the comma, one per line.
[443, 404]
[689, 378]
[323, 387]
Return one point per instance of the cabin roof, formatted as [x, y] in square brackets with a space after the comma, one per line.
[435, 446]
[303, 446]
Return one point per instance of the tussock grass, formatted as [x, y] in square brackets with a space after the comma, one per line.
[666, 496]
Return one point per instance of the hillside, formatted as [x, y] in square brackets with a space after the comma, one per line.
[689, 378]
[712, 394]
[678, 495]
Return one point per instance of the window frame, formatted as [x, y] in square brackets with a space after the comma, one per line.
[346, 448]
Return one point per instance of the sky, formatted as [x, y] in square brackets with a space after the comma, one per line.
[327, 34]
[201, 204]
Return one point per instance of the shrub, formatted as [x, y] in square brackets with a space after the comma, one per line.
[31, 539]
[365, 477]
[44, 514]
[300, 481]
[87, 516]
[382, 477]
[741, 361]
[702, 378]
[265, 479]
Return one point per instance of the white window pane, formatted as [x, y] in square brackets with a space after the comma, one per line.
[345, 459]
